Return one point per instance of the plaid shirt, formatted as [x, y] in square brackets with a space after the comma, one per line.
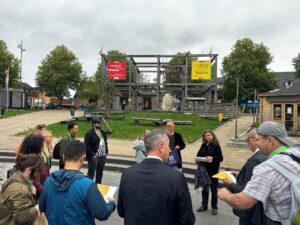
[271, 188]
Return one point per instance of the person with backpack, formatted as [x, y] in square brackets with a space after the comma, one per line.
[59, 148]
[268, 184]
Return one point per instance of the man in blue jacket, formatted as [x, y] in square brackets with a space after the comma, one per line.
[69, 197]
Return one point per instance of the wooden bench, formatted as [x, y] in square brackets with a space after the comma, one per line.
[67, 121]
[205, 116]
[158, 122]
[180, 122]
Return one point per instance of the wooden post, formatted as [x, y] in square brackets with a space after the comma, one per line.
[236, 106]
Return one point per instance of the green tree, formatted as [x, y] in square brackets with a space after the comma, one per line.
[113, 55]
[8, 60]
[90, 89]
[296, 64]
[248, 61]
[175, 69]
[59, 72]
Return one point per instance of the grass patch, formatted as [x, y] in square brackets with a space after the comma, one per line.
[17, 112]
[126, 129]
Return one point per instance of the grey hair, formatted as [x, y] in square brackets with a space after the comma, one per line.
[252, 133]
[152, 139]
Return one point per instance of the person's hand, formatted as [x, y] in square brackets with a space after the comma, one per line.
[33, 190]
[227, 181]
[110, 198]
[209, 158]
[235, 173]
[223, 193]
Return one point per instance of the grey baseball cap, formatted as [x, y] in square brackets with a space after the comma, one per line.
[276, 130]
[96, 120]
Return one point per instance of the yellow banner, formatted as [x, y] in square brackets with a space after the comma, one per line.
[201, 70]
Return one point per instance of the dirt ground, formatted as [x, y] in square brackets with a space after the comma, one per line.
[233, 157]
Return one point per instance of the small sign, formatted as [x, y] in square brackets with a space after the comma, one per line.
[116, 70]
[201, 70]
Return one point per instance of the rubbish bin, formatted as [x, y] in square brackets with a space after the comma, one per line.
[72, 112]
[2, 111]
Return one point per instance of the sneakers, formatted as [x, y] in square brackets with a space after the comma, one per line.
[201, 209]
[214, 212]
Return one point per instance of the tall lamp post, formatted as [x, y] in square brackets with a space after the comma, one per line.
[20, 46]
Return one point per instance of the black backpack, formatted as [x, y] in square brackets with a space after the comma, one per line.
[56, 150]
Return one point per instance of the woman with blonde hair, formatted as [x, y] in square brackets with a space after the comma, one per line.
[47, 148]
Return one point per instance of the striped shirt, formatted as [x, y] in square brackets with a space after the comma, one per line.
[271, 188]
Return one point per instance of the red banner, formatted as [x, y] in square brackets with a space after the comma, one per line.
[116, 70]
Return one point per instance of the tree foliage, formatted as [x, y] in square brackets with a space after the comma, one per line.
[175, 69]
[248, 61]
[8, 60]
[296, 64]
[112, 55]
[90, 89]
[59, 72]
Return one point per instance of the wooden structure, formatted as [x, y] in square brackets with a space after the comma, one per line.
[283, 106]
[158, 122]
[145, 83]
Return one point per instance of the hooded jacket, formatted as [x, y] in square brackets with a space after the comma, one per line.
[17, 204]
[70, 198]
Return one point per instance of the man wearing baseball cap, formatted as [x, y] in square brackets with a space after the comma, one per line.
[95, 141]
[267, 185]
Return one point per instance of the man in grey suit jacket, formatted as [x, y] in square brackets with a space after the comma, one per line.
[152, 193]
[254, 215]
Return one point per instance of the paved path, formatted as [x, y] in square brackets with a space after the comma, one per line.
[13, 125]
[233, 157]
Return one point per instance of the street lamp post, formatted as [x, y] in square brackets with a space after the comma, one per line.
[20, 46]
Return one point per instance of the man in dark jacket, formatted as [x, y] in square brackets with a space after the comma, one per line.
[72, 134]
[95, 141]
[71, 198]
[152, 193]
[254, 215]
[176, 142]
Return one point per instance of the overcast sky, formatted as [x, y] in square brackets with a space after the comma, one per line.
[147, 27]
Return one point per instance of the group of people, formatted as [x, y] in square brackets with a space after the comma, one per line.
[262, 194]
[153, 191]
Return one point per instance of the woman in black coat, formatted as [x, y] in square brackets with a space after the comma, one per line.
[211, 150]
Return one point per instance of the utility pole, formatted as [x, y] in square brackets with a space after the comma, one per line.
[236, 106]
[20, 46]
[254, 107]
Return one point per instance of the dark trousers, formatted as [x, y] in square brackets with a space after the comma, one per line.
[245, 222]
[271, 222]
[214, 194]
[96, 164]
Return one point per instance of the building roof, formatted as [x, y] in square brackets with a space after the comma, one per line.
[283, 77]
[26, 86]
[284, 91]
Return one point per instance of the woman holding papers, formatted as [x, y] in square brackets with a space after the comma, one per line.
[211, 153]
